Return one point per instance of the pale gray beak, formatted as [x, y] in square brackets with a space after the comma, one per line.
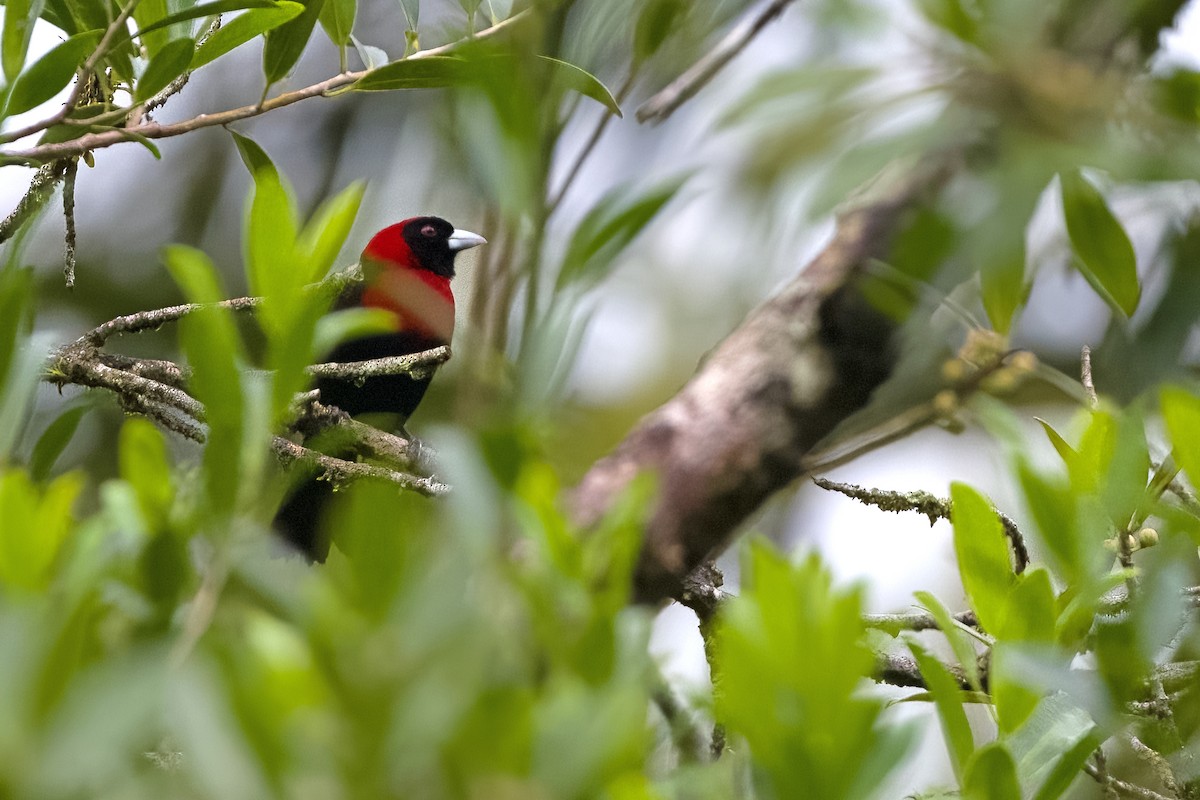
[464, 240]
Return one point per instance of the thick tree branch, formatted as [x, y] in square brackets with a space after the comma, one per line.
[802, 362]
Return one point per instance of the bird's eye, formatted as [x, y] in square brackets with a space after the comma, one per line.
[429, 231]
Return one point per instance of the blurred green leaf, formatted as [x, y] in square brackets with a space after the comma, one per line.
[170, 62]
[1061, 446]
[144, 466]
[286, 43]
[337, 18]
[19, 17]
[325, 234]
[350, 323]
[412, 73]
[790, 657]
[50, 74]
[1004, 290]
[211, 344]
[577, 79]
[983, 559]
[245, 27]
[948, 697]
[33, 525]
[498, 10]
[1181, 416]
[53, 441]
[1105, 254]
[992, 775]
[608, 229]
[1031, 610]
[961, 642]
[953, 17]
[657, 21]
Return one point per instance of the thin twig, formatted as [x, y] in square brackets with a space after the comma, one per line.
[77, 88]
[1121, 788]
[154, 130]
[696, 77]
[590, 145]
[69, 217]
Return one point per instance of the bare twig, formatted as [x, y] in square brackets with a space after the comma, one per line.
[683, 88]
[69, 217]
[154, 130]
[589, 145]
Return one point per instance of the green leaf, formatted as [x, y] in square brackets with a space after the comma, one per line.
[1004, 289]
[325, 234]
[19, 16]
[371, 56]
[53, 441]
[337, 18]
[1031, 609]
[211, 344]
[1061, 446]
[1051, 746]
[607, 230]
[412, 73]
[172, 59]
[953, 18]
[657, 20]
[245, 27]
[580, 80]
[1105, 255]
[51, 73]
[33, 525]
[790, 655]
[199, 11]
[1181, 416]
[144, 465]
[961, 642]
[948, 697]
[270, 226]
[350, 323]
[148, 12]
[992, 775]
[983, 559]
[286, 43]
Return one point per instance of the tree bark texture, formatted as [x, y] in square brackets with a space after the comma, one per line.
[802, 362]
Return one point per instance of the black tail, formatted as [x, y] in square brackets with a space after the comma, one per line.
[301, 522]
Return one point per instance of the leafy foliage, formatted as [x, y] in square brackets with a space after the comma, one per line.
[159, 642]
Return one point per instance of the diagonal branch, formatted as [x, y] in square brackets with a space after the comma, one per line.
[802, 362]
[683, 88]
[153, 130]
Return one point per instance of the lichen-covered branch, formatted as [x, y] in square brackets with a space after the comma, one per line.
[934, 508]
[158, 390]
